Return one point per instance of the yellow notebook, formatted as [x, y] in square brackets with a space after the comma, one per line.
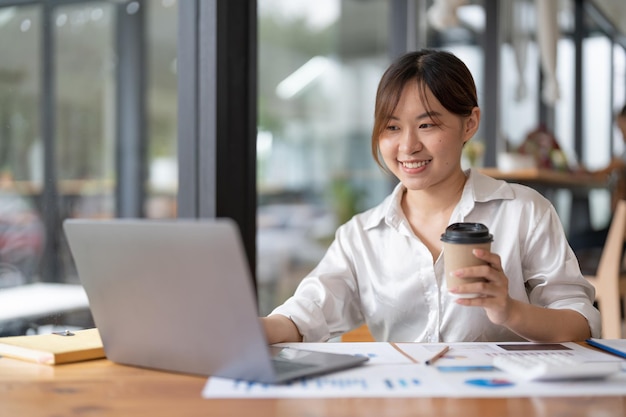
[53, 349]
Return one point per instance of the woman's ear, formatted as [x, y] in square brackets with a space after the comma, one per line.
[471, 124]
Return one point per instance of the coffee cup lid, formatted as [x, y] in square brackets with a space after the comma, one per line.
[467, 233]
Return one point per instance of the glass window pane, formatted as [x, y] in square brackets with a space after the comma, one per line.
[597, 118]
[21, 227]
[319, 65]
[21, 177]
[519, 92]
[619, 94]
[84, 68]
[564, 108]
[83, 104]
[597, 109]
[85, 109]
[162, 29]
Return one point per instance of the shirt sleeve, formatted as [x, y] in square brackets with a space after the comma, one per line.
[552, 272]
[325, 304]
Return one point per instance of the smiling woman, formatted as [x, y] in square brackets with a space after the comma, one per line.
[385, 266]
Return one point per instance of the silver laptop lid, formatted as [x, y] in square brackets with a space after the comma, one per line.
[174, 295]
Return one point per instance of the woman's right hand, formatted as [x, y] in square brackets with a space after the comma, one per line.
[280, 329]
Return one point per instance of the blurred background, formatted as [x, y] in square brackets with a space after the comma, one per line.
[89, 123]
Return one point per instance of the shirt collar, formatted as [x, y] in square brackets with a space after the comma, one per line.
[479, 188]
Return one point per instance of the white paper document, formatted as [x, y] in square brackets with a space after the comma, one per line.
[398, 370]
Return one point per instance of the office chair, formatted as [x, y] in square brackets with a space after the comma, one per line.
[610, 277]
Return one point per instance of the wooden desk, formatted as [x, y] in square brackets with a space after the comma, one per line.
[101, 388]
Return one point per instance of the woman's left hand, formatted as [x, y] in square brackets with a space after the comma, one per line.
[493, 292]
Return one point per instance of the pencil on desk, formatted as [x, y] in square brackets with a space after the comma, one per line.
[438, 355]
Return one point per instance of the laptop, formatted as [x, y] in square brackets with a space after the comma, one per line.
[177, 295]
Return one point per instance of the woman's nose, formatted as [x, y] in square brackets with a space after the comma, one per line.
[410, 142]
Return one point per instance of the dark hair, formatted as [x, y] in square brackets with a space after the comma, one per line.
[443, 73]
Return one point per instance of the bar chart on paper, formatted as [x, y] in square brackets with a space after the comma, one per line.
[399, 370]
[379, 375]
[381, 380]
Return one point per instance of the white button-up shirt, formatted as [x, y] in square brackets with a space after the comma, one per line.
[377, 271]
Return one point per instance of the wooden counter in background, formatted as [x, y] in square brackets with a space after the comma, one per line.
[549, 182]
[547, 178]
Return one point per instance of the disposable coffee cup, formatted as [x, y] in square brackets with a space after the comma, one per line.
[459, 240]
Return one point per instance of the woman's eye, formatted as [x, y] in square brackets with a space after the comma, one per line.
[426, 125]
[392, 128]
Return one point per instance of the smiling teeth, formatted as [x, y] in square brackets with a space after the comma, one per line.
[415, 164]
